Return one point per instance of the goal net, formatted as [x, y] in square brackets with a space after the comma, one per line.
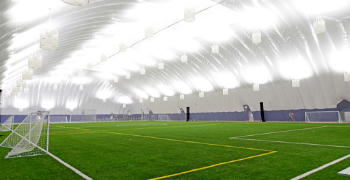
[58, 119]
[83, 115]
[30, 137]
[163, 118]
[7, 125]
[323, 117]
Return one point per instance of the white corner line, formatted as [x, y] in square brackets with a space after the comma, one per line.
[278, 132]
[320, 168]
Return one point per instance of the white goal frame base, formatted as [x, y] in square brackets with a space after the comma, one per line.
[307, 118]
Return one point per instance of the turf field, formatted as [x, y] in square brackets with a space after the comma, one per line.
[186, 150]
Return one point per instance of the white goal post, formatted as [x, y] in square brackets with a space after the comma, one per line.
[31, 136]
[163, 118]
[7, 125]
[323, 117]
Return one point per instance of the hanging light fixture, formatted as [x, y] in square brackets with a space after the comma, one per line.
[26, 90]
[77, 2]
[89, 65]
[123, 47]
[295, 83]
[71, 109]
[182, 97]
[35, 60]
[81, 87]
[201, 94]
[116, 79]
[215, 49]
[70, 76]
[256, 87]
[225, 91]
[27, 74]
[165, 98]
[189, 14]
[124, 105]
[20, 109]
[49, 37]
[319, 26]
[256, 38]
[104, 57]
[184, 58]
[142, 71]
[104, 100]
[161, 65]
[127, 76]
[149, 32]
[55, 87]
[347, 76]
[141, 100]
[152, 99]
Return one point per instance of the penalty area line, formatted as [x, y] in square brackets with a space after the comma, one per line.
[278, 132]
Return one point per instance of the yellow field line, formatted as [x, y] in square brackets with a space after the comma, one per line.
[127, 129]
[72, 128]
[193, 142]
[214, 165]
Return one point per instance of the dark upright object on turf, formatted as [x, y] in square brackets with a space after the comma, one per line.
[188, 113]
[262, 111]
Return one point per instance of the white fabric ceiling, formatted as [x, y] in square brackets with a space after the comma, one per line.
[289, 50]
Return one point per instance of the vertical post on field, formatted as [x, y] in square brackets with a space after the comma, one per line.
[187, 113]
[47, 131]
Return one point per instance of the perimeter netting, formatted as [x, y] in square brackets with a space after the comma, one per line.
[58, 119]
[163, 118]
[29, 135]
[7, 125]
[323, 117]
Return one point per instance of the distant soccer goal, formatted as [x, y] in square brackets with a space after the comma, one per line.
[58, 119]
[323, 117]
[30, 138]
[7, 125]
[163, 118]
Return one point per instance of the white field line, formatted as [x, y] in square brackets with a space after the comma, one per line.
[278, 132]
[285, 142]
[55, 157]
[320, 168]
[110, 126]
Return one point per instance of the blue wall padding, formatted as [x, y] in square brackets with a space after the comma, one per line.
[281, 115]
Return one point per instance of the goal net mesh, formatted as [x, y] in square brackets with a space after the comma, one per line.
[7, 125]
[163, 118]
[323, 117]
[28, 136]
[58, 119]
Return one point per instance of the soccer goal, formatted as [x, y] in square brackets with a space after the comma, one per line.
[323, 117]
[7, 125]
[58, 119]
[31, 136]
[163, 118]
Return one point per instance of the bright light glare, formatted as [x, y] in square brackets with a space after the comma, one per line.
[202, 84]
[104, 94]
[320, 6]
[141, 94]
[295, 69]
[153, 92]
[71, 105]
[183, 88]
[256, 18]
[227, 80]
[47, 104]
[20, 103]
[258, 74]
[217, 34]
[124, 100]
[340, 61]
[166, 90]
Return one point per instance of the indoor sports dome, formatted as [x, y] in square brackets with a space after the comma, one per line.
[175, 89]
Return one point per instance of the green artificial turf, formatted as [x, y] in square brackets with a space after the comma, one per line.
[146, 150]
